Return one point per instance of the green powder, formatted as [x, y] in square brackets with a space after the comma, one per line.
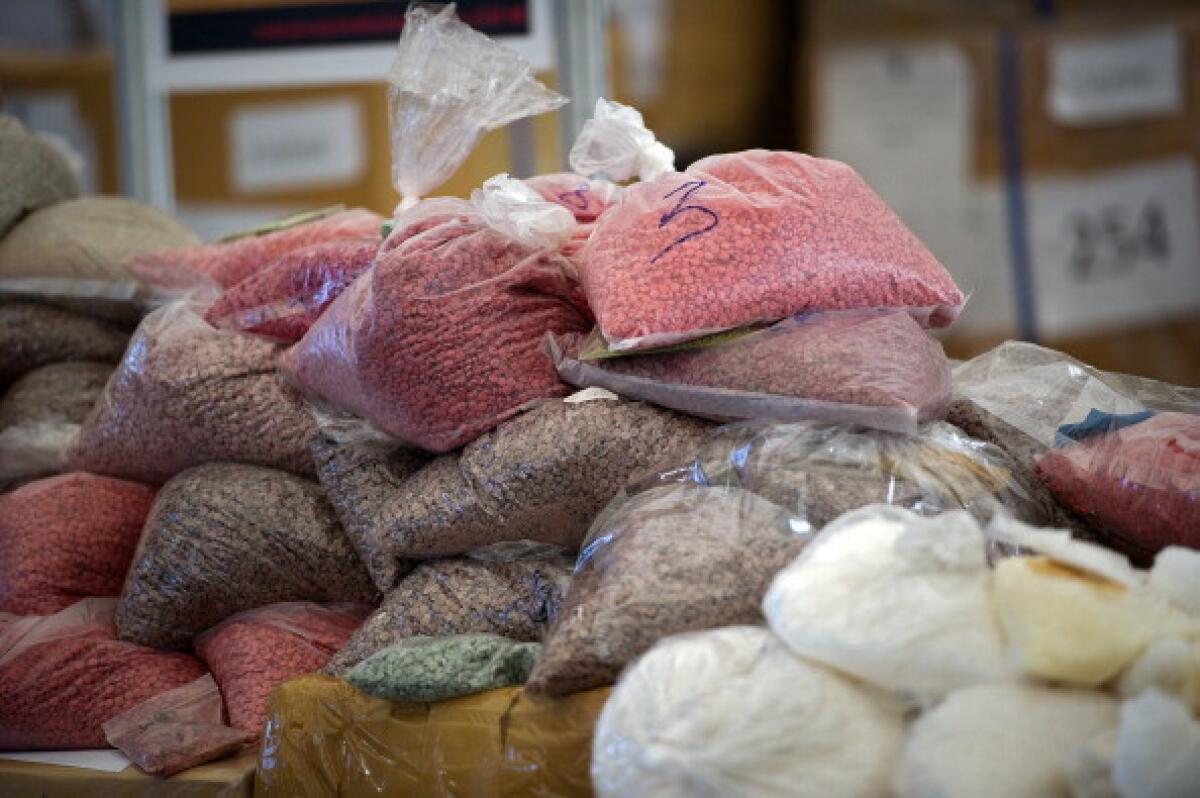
[437, 668]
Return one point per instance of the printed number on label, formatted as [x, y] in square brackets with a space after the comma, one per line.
[1115, 241]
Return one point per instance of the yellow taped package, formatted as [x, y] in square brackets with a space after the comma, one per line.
[325, 738]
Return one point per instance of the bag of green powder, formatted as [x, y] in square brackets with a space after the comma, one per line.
[437, 668]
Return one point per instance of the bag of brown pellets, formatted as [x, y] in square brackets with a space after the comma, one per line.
[541, 476]
[34, 335]
[76, 254]
[41, 413]
[175, 730]
[186, 394]
[695, 545]
[253, 652]
[63, 676]
[66, 538]
[745, 238]
[442, 339]
[513, 598]
[33, 173]
[1117, 451]
[878, 369]
[672, 559]
[224, 538]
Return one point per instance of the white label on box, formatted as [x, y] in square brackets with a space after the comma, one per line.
[902, 114]
[1116, 248]
[1116, 77]
[297, 146]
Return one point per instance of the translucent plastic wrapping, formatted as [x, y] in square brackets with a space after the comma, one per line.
[41, 413]
[224, 538]
[66, 538]
[448, 85]
[285, 298]
[877, 369]
[672, 559]
[65, 675]
[585, 199]
[77, 254]
[324, 737]
[227, 263]
[175, 730]
[441, 340]
[696, 545]
[438, 668]
[35, 335]
[541, 476]
[1138, 487]
[32, 173]
[1001, 741]
[753, 237]
[896, 599]
[186, 394]
[615, 144]
[1157, 753]
[253, 652]
[731, 712]
[1123, 477]
[514, 598]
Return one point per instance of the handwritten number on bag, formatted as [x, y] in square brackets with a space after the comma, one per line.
[575, 197]
[689, 188]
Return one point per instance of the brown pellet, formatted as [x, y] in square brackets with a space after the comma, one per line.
[224, 538]
[187, 394]
[541, 476]
[514, 599]
[60, 393]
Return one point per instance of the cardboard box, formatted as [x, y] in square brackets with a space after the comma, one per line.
[1052, 167]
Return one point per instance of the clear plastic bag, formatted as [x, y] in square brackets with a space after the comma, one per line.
[448, 85]
[441, 340]
[32, 173]
[1068, 426]
[513, 598]
[1137, 487]
[77, 254]
[253, 652]
[877, 369]
[175, 730]
[731, 712]
[753, 237]
[41, 413]
[586, 199]
[440, 668]
[896, 599]
[68, 537]
[616, 145]
[695, 545]
[284, 299]
[224, 538]
[186, 394]
[65, 675]
[226, 263]
[34, 335]
[541, 476]
[668, 560]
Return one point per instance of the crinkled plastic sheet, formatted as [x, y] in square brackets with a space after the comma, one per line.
[323, 737]
[879, 369]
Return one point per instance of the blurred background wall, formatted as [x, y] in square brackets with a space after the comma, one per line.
[1045, 151]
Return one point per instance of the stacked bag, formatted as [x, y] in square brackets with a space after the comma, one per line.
[476, 446]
